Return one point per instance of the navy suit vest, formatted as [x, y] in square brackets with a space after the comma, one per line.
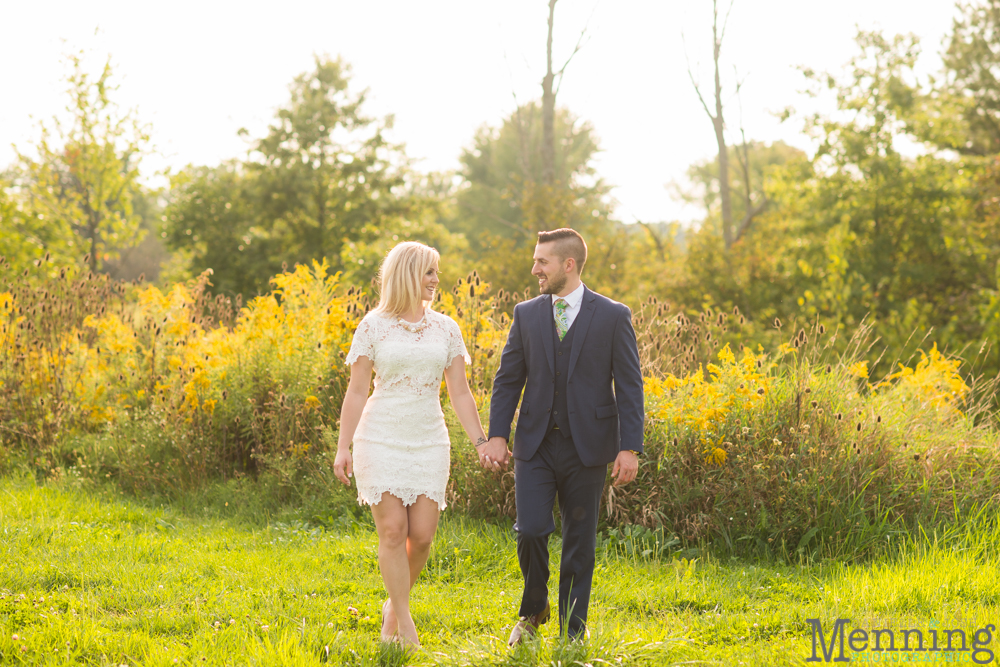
[560, 407]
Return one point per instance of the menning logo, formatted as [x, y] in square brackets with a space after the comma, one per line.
[912, 640]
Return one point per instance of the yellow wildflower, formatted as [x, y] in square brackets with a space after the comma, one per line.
[860, 369]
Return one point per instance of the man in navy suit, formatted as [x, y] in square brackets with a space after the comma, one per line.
[573, 353]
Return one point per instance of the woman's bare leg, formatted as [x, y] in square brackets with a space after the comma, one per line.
[392, 524]
[422, 520]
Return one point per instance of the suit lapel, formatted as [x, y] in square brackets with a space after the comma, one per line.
[545, 330]
[580, 327]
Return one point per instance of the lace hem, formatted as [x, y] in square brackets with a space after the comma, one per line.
[353, 355]
[456, 355]
[372, 495]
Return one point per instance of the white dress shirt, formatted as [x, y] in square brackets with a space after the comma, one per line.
[573, 301]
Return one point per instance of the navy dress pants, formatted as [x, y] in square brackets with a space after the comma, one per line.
[555, 471]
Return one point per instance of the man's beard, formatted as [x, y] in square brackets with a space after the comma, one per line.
[553, 285]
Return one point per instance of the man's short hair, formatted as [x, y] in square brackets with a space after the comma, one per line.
[569, 243]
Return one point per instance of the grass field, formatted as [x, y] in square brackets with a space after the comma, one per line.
[91, 578]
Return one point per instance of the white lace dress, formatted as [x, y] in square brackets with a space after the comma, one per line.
[401, 444]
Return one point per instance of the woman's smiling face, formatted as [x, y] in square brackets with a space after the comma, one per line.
[429, 282]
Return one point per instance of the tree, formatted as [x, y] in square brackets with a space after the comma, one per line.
[213, 222]
[82, 184]
[503, 201]
[429, 202]
[325, 168]
[323, 176]
[25, 237]
[549, 92]
[962, 112]
[860, 233]
[731, 233]
[757, 159]
[874, 234]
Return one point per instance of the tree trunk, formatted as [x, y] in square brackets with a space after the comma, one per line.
[321, 214]
[724, 193]
[93, 253]
[549, 110]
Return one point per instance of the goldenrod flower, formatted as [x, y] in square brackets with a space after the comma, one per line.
[859, 369]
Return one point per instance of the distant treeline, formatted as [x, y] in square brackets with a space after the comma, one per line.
[857, 233]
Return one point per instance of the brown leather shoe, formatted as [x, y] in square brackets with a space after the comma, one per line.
[528, 626]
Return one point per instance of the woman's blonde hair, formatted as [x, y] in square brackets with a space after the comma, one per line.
[400, 277]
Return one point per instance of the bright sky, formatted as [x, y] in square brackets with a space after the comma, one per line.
[199, 71]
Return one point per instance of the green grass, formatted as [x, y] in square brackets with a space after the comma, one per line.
[91, 578]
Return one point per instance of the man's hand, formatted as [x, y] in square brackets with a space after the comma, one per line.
[626, 467]
[493, 455]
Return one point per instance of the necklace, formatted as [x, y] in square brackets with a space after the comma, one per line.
[414, 327]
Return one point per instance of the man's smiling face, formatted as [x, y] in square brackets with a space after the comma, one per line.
[549, 268]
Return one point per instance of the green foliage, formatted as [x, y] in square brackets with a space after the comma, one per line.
[323, 177]
[748, 454]
[428, 205]
[25, 237]
[889, 238]
[504, 203]
[861, 233]
[962, 111]
[748, 175]
[76, 196]
[503, 162]
[210, 222]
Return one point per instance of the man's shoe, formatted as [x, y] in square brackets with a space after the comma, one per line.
[528, 626]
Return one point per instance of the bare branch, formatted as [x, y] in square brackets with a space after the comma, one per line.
[694, 83]
[522, 139]
[749, 217]
[655, 237]
[576, 49]
[743, 153]
[549, 108]
[725, 21]
[548, 44]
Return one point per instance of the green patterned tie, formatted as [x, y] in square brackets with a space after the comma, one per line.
[562, 322]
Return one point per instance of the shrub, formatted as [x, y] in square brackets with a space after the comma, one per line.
[791, 451]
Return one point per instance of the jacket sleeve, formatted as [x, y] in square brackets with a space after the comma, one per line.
[508, 383]
[628, 383]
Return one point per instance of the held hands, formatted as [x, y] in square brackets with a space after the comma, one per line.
[493, 454]
[343, 465]
[626, 467]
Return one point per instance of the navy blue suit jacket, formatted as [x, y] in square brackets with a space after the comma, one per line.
[604, 382]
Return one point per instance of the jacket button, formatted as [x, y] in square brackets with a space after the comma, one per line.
[557, 393]
[555, 412]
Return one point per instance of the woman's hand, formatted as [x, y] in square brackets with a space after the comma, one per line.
[343, 466]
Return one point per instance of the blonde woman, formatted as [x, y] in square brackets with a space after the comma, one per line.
[401, 451]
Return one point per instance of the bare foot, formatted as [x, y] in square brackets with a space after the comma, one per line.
[389, 624]
[407, 633]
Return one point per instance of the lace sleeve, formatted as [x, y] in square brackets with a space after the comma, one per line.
[363, 343]
[456, 346]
